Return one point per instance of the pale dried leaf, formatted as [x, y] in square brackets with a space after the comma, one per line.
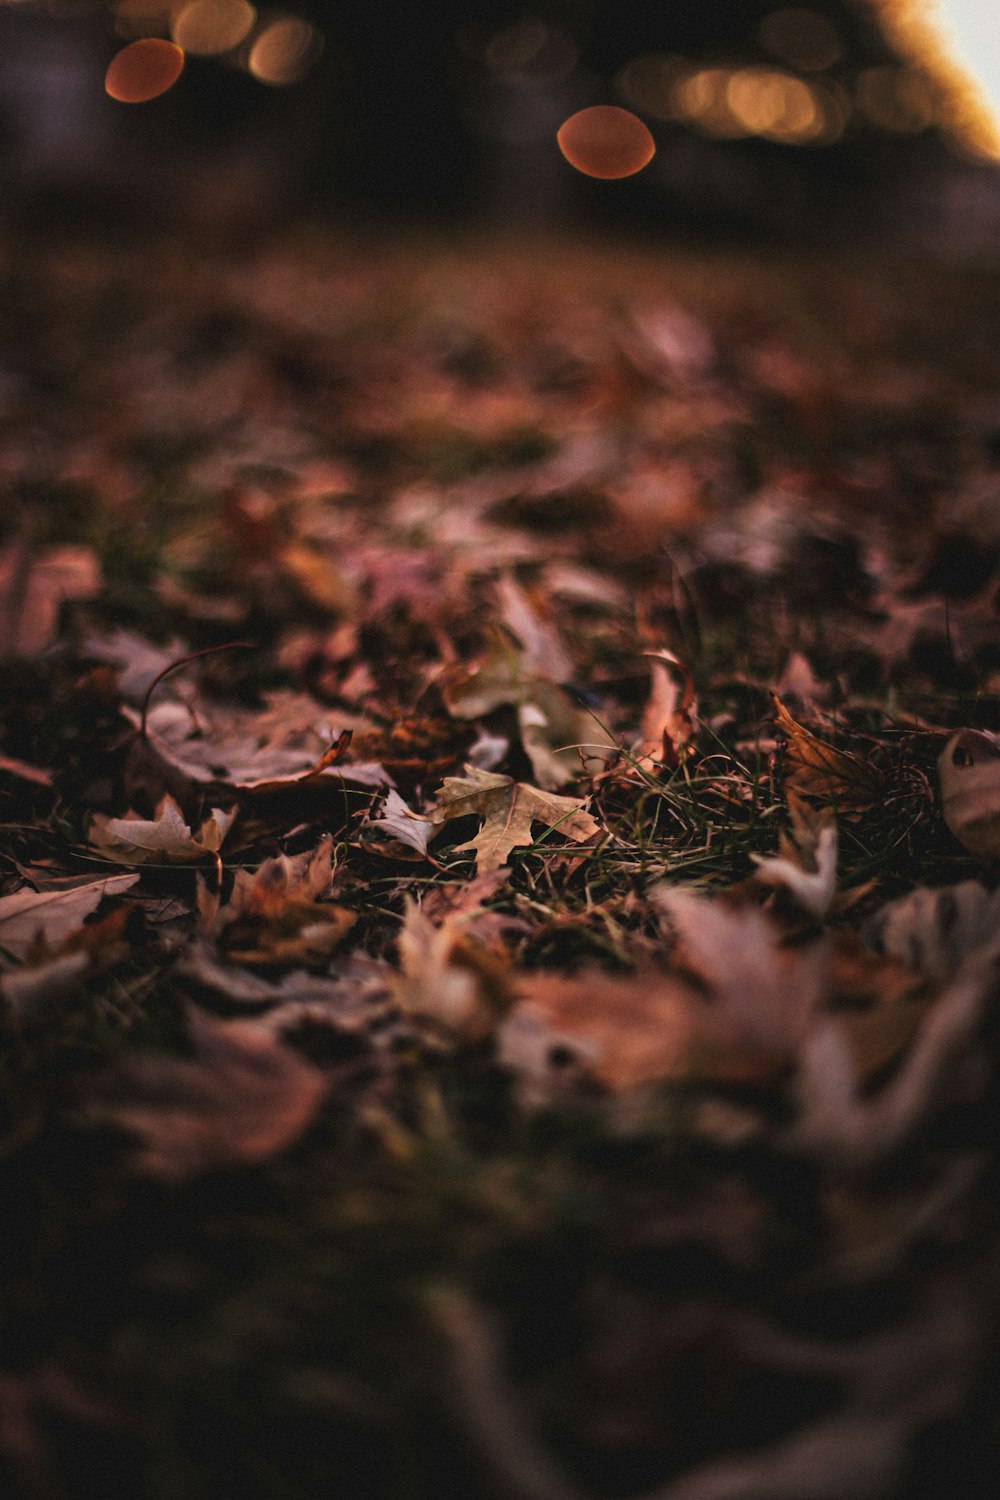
[400, 824]
[766, 992]
[164, 838]
[457, 985]
[935, 931]
[969, 773]
[53, 915]
[814, 890]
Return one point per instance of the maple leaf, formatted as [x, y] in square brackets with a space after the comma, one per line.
[509, 809]
[816, 769]
[53, 915]
[166, 837]
[243, 1097]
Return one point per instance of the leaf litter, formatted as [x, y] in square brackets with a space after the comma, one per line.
[528, 1025]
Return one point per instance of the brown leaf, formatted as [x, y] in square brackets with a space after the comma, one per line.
[53, 915]
[164, 838]
[630, 1033]
[273, 917]
[816, 769]
[509, 809]
[667, 719]
[242, 1098]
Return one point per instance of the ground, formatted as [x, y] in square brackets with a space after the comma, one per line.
[497, 921]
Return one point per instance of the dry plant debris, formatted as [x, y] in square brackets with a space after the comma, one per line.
[498, 929]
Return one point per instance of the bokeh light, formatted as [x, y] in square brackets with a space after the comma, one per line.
[530, 52]
[605, 141]
[284, 51]
[210, 27]
[143, 70]
[648, 82]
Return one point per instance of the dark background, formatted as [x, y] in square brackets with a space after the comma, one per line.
[405, 117]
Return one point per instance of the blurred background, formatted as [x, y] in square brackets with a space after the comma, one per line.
[800, 122]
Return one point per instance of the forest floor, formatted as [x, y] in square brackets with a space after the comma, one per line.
[498, 943]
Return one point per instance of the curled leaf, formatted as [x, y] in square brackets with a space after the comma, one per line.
[969, 774]
[816, 769]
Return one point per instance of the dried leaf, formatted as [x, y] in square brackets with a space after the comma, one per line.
[404, 831]
[166, 837]
[766, 992]
[273, 917]
[509, 809]
[935, 931]
[668, 717]
[53, 915]
[242, 1098]
[815, 769]
[969, 773]
[807, 867]
[458, 986]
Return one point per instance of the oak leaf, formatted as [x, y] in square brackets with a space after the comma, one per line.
[509, 810]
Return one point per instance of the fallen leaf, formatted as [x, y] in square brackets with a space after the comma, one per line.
[242, 1098]
[399, 831]
[767, 992]
[934, 931]
[815, 769]
[273, 917]
[509, 809]
[166, 837]
[457, 985]
[667, 719]
[807, 865]
[51, 915]
[969, 775]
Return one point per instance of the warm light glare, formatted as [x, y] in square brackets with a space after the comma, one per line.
[285, 51]
[970, 32]
[210, 27]
[605, 141]
[143, 70]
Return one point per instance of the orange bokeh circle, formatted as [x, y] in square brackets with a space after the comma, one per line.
[143, 69]
[605, 141]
